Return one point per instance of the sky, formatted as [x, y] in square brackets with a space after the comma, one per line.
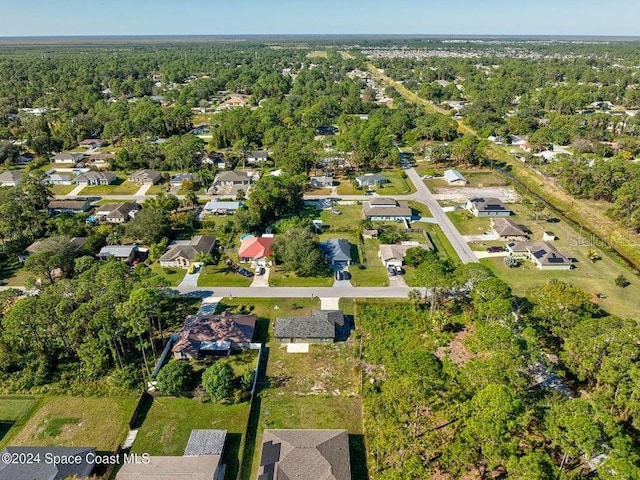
[241, 17]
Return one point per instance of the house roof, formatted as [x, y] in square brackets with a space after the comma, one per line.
[67, 156]
[212, 328]
[397, 252]
[181, 177]
[321, 324]
[10, 177]
[488, 205]
[506, 228]
[454, 176]
[262, 154]
[123, 210]
[47, 470]
[213, 205]
[400, 210]
[256, 247]
[547, 254]
[76, 243]
[169, 468]
[337, 249]
[371, 179]
[232, 176]
[69, 204]
[205, 442]
[383, 202]
[96, 176]
[142, 175]
[199, 244]
[118, 251]
[305, 455]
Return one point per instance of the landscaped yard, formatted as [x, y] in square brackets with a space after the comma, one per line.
[14, 412]
[174, 275]
[102, 423]
[168, 424]
[221, 276]
[12, 273]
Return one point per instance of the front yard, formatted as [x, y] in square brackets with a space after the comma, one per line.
[173, 275]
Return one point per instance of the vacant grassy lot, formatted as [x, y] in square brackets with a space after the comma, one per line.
[12, 273]
[61, 189]
[169, 422]
[221, 276]
[375, 275]
[420, 209]
[14, 412]
[347, 221]
[440, 241]
[468, 224]
[173, 275]
[120, 187]
[484, 178]
[74, 421]
[280, 278]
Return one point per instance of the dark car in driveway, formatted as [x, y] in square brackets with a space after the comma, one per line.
[495, 249]
[245, 273]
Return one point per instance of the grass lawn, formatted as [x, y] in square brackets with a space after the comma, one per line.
[484, 178]
[440, 241]
[398, 184]
[73, 421]
[12, 273]
[61, 189]
[345, 187]
[220, 276]
[420, 209]
[318, 191]
[14, 412]
[468, 224]
[280, 278]
[120, 187]
[375, 276]
[173, 275]
[169, 422]
[155, 190]
[348, 221]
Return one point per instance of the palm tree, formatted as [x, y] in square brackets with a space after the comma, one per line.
[114, 238]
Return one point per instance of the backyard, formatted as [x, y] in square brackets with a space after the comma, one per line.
[14, 412]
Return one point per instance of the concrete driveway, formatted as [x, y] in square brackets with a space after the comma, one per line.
[191, 279]
[261, 280]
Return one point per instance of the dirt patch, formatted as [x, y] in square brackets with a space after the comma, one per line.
[461, 194]
[456, 350]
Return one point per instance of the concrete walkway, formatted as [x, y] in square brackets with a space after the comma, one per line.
[330, 303]
[143, 190]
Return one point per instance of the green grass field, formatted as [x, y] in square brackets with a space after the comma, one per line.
[468, 224]
[174, 275]
[14, 413]
[347, 221]
[61, 189]
[220, 276]
[73, 421]
[12, 273]
[280, 278]
[169, 422]
[120, 187]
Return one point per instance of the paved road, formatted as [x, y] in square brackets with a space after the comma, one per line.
[423, 195]
[296, 292]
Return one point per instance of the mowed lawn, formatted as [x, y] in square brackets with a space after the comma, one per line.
[168, 424]
[173, 275]
[348, 220]
[12, 273]
[280, 278]
[468, 224]
[102, 423]
[120, 187]
[221, 276]
[14, 412]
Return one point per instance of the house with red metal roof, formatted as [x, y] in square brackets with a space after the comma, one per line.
[256, 250]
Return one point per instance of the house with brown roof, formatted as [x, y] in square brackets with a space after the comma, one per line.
[92, 143]
[507, 230]
[75, 244]
[393, 255]
[256, 250]
[182, 254]
[305, 455]
[214, 335]
[386, 209]
[232, 178]
[487, 207]
[145, 177]
[68, 206]
[117, 212]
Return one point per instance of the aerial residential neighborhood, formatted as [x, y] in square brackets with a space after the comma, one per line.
[319, 257]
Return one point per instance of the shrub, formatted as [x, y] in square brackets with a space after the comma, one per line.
[621, 281]
[174, 378]
[217, 381]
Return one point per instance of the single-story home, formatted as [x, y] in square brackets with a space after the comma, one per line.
[507, 230]
[126, 253]
[80, 468]
[214, 158]
[178, 179]
[337, 251]
[305, 455]
[231, 178]
[542, 254]
[76, 244]
[321, 181]
[24, 159]
[10, 179]
[92, 143]
[393, 255]
[333, 162]
[487, 207]
[371, 180]
[320, 327]
[66, 157]
[52, 177]
[96, 178]
[386, 209]
[182, 254]
[454, 177]
[145, 177]
[256, 250]
[100, 159]
[216, 335]
[217, 207]
[68, 206]
[369, 234]
[117, 212]
[257, 156]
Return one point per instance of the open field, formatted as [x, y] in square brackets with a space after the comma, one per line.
[347, 221]
[120, 187]
[61, 189]
[14, 413]
[169, 422]
[73, 421]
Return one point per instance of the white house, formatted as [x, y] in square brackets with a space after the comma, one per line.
[454, 177]
[386, 209]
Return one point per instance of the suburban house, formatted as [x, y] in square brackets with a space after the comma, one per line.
[256, 250]
[207, 335]
[24, 159]
[234, 101]
[305, 455]
[92, 143]
[507, 230]
[370, 234]
[337, 251]
[117, 212]
[232, 178]
[80, 468]
[10, 179]
[385, 209]
[371, 180]
[145, 177]
[217, 207]
[68, 206]
[66, 157]
[257, 156]
[201, 461]
[321, 181]
[542, 254]
[96, 178]
[320, 327]
[178, 179]
[76, 243]
[125, 253]
[393, 255]
[519, 141]
[52, 177]
[100, 159]
[333, 162]
[182, 254]
[214, 158]
[454, 177]
[487, 207]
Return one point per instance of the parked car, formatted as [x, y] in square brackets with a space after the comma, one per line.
[369, 192]
[495, 249]
[260, 271]
[245, 273]
[392, 270]
[339, 275]
[399, 270]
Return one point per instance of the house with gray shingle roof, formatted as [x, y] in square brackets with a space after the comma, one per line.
[10, 179]
[371, 180]
[205, 442]
[305, 455]
[44, 470]
[320, 327]
[505, 229]
[487, 207]
[337, 251]
[183, 253]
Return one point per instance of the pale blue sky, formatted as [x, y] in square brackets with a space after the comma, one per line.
[211, 17]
